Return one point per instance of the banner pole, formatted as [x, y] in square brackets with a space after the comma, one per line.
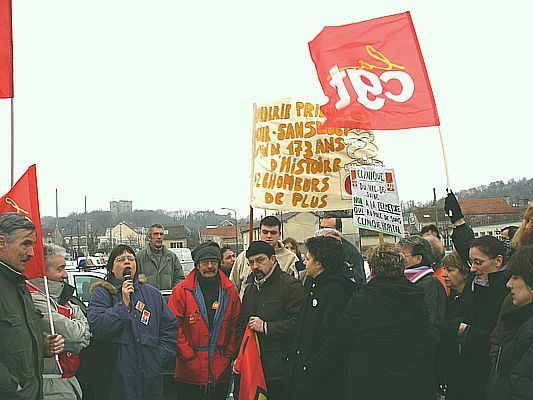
[449, 186]
[12, 145]
[52, 327]
[251, 234]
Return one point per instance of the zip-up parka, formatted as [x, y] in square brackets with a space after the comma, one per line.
[145, 335]
[204, 352]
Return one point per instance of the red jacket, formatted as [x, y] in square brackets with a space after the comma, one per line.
[204, 356]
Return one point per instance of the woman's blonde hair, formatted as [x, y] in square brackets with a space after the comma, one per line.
[386, 260]
[517, 239]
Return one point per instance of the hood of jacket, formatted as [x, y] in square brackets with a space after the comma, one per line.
[399, 295]
[54, 287]
[113, 284]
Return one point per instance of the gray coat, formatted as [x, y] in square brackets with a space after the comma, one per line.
[75, 331]
[163, 275]
[21, 339]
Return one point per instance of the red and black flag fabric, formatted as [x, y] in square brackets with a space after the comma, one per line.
[248, 365]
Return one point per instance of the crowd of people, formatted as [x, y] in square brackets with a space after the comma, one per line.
[424, 325]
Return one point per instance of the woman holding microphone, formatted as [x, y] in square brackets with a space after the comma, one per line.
[134, 316]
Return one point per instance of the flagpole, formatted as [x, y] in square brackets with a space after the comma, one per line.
[52, 327]
[12, 144]
[449, 186]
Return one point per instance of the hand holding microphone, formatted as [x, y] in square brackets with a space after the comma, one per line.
[127, 286]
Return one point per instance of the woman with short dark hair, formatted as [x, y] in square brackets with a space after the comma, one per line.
[318, 361]
[512, 377]
[134, 316]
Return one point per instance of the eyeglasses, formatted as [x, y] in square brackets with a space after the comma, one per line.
[258, 261]
[124, 258]
[477, 263]
[205, 263]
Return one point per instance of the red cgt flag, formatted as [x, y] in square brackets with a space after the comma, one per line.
[374, 75]
[248, 365]
[23, 199]
[6, 50]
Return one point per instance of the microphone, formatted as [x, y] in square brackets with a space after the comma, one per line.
[127, 274]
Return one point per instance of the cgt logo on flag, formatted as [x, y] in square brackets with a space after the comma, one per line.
[374, 75]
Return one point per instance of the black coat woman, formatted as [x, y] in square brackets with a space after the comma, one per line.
[512, 377]
[318, 360]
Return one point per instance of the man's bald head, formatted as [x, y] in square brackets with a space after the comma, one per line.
[437, 248]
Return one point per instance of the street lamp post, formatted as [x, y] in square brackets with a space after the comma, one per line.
[236, 227]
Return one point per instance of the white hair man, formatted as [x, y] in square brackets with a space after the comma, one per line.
[68, 320]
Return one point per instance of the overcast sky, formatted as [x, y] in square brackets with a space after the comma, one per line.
[152, 101]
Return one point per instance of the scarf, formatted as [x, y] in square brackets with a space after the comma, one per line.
[261, 282]
[414, 274]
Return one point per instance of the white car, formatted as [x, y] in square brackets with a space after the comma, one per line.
[82, 280]
[185, 257]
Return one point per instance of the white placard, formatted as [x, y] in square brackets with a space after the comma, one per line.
[376, 204]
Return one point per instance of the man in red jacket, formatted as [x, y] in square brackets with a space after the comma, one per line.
[207, 306]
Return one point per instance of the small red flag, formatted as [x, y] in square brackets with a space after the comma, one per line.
[23, 199]
[6, 50]
[374, 75]
[248, 365]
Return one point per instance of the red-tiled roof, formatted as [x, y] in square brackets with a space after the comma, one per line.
[487, 205]
[222, 231]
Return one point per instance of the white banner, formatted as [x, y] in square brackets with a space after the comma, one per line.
[297, 165]
[376, 204]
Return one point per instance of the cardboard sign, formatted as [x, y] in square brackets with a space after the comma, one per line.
[376, 204]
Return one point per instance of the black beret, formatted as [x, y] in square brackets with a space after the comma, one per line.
[259, 247]
[206, 251]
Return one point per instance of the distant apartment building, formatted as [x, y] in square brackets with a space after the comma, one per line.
[120, 207]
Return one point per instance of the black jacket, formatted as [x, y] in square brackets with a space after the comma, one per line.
[462, 237]
[21, 339]
[449, 349]
[278, 303]
[355, 260]
[318, 361]
[481, 307]
[513, 374]
[386, 328]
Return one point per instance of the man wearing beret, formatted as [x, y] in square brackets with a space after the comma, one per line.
[270, 232]
[207, 306]
[271, 303]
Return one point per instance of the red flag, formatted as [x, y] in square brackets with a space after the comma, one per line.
[23, 199]
[6, 50]
[374, 75]
[248, 365]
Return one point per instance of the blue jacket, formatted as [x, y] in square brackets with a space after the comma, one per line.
[144, 341]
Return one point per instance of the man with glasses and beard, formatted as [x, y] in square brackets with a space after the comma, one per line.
[270, 306]
[269, 232]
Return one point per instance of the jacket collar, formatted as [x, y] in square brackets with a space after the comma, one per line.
[11, 272]
[275, 271]
[54, 288]
[152, 251]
